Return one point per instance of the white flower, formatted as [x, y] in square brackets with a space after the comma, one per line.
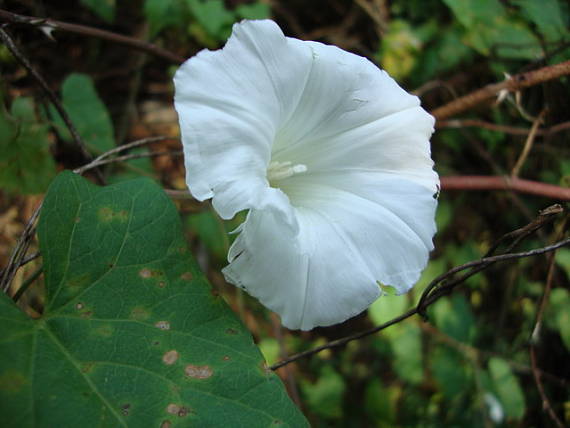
[331, 158]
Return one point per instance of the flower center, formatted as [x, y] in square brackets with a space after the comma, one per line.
[280, 170]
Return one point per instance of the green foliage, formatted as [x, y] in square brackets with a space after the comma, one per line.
[508, 389]
[87, 112]
[380, 403]
[399, 49]
[213, 17]
[406, 342]
[491, 30]
[131, 333]
[26, 165]
[558, 315]
[105, 9]
[211, 231]
[548, 17]
[453, 316]
[254, 10]
[449, 370]
[211, 20]
[324, 397]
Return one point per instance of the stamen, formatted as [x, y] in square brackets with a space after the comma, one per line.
[280, 170]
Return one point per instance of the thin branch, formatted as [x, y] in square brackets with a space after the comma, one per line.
[130, 157]
[484, 182]
[512, 84]
[7, 40]
[52, 24]
[514, 130]
[429, 301]
[546, 405]
[178, 194]
[528, 144]
[138, 143]
[19, 251]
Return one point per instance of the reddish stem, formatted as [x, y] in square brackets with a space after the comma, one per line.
[482, 182]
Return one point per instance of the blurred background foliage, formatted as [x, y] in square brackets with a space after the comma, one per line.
[468, 366]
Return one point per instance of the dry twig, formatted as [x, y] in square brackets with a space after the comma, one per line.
[512, 84]
[515, 184]
[52, 24]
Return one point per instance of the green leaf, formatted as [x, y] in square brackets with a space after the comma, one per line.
[210, 229]
[131, 334]
[558, 313]
[509, 391]
[406, 342]
[563, 260]
[324, 397]
[547, 15]
[381, 402]
[164, 13]
[491, 31]
[104, 8]
[253, 11]
[387, 307]
[448, 369]
[87, 112]
[400, 49]
[453, 316]
[26, 164]
[132, 168]
[213, 16]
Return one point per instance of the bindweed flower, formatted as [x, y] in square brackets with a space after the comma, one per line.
[331, 158]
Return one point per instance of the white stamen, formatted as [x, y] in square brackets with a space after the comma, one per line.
[280, 170]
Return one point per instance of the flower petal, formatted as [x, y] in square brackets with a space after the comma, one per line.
[353, 115]
[346, 243]
[230, 103]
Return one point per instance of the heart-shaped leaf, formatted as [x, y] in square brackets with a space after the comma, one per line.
[131, 333]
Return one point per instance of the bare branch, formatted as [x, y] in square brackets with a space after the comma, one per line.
[7, 40]
[99, 160]
[484, 182]
[92, 32]
[514, 130]
[512, 84]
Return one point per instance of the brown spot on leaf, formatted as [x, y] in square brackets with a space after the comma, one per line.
[106, 215]
[163, 325]
[231, 331]
[145, 273]
[139, 313]
[125, 409]
[104, 330]
[226, 358]
[175, 409]
[86, 314]
[187, 276]
[79, 281]
[166, 424]
[170, 357]
[79, 306]
[162, 284]
[198, 372]
[87, 367]
[12, 382]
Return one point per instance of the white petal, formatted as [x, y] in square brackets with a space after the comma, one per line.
[328, 272]
[397, 144]
[353, 115]
[230, 103]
